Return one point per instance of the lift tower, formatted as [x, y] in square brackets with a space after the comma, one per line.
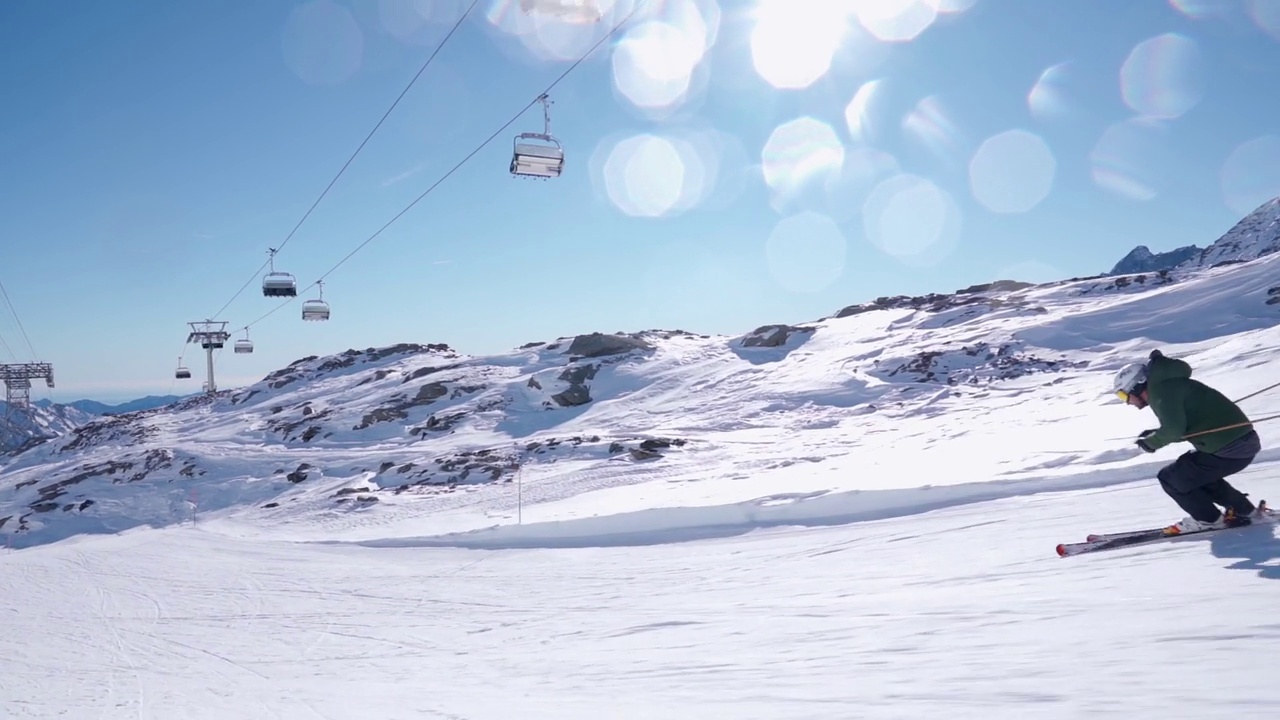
[211, 335]
[17, 381]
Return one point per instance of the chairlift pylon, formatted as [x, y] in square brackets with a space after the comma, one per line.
[316, 309]
[542, 159]
[277, 284]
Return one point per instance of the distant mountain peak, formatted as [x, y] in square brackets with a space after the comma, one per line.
[1256, 235]
[1142, 260]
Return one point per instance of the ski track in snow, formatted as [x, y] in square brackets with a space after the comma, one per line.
[963, 611]
[838, 536]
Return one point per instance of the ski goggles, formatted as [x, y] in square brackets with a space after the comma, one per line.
[1123, 395]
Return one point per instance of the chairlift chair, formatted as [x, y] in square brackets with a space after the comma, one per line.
[542, 159]
[316, 309]
[244, 345]
[278, 284]
[182, 373]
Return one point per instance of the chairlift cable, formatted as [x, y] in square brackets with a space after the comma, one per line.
[17, 319]
[461, 162]
[347, 164]
[8, 349]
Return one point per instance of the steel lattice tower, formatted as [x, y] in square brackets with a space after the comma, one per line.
[211, 335]
[17, 381]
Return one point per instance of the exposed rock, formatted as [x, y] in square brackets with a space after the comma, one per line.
[286, 427]
[579, 374]
[772, 335]
[300, 474]
[127, 429]
[638, 454]
[1123, 282]
[972, 364]
[572, 396]
[997, 286]
[438, 423]
[599, 344]
[1142, 260]
[578, 392]
[933, 302]
[425, 371]
[351, 491]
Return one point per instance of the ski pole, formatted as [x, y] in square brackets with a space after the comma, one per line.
[1214, 430]
[1230, 427]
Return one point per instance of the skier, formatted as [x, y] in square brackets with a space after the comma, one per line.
[1223, 440]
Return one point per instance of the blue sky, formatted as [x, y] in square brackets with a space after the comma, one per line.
[717, 177]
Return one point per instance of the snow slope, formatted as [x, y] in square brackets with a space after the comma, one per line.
[850, 518]
[25, 427]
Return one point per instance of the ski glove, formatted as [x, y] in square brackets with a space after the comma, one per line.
[1142, 440]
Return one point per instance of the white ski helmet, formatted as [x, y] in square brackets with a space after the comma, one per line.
[1130, 379]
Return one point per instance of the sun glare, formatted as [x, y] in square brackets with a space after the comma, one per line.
[794, 41]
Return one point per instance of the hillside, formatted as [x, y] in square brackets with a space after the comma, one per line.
[393, 435]
[851, 518]
[22, 428]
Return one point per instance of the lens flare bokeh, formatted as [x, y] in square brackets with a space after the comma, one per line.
[1012, 172]
[806, 252]
[930, 124]
[1132, 159]
[1265, 14]
[860, 114]
[799, 155]
[897, 20]
[1047, 99]
[1163, 76]
[1250, 175]
[654, 64]
[911, 219]
[793, 43]
[322, 43]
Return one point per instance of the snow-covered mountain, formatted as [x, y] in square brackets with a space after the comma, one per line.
[850, 517]
[1142, 260]
[1255, 235]
[93, 407]
[22, 428]
[421, 430]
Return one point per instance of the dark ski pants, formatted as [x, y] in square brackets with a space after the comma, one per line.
[1196, 480]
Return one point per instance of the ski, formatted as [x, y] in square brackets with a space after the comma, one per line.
[1111, 541]
[1268, 515]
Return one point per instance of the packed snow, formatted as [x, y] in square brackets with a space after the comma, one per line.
[854, 517]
